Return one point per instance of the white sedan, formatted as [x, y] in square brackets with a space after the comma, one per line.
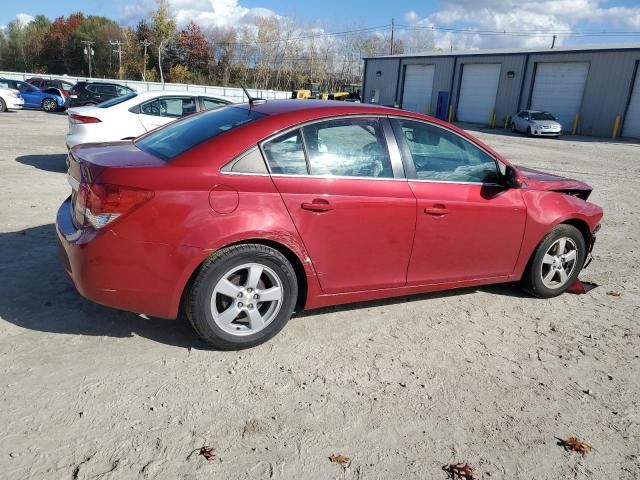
[131, 115]
[10, 100]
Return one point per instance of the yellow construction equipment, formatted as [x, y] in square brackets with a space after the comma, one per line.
[348, 92]
[309, 90]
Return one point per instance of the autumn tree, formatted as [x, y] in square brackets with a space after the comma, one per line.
[195, 48]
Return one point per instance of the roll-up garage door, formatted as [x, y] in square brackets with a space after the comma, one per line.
[418, 85]
[558, 89]
[478, 92]
[631, 126]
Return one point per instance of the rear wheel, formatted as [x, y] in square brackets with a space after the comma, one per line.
[49, 105]
[3, 106]
[513, 127]
[242, 296]
[556, 263]
[529, 131]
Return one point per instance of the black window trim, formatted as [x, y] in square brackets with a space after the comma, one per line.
[395, 157]
[409, 164]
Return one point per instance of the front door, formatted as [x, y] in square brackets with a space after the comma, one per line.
[355, 215]
[468, 227]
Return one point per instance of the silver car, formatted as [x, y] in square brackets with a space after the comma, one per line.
[533, 122]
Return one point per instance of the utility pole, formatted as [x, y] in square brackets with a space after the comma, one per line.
[392, 29]
[118, 43]
[553, 42]
[145, 43]
[88, 51]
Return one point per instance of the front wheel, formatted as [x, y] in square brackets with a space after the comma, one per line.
[241, 296]
[49, 105]
[529, 134]
[556, 263]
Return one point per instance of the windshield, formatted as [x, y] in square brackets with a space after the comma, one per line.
[179, 136]
[117, 100]
[542, 116]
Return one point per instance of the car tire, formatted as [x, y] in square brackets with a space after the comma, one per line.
[49, 105]
[223, 303]
[556, 263]
[513, 127]
[3, 106]
[529, 134]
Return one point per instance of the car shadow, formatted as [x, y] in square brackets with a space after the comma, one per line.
[38, 295]
[56, 162]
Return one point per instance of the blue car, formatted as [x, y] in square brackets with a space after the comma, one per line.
[50, 100]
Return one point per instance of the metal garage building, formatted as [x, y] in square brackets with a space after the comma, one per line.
[591, 90]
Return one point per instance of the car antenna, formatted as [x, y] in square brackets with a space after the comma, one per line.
[252, 100]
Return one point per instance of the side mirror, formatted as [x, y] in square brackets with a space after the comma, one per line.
[510, 177]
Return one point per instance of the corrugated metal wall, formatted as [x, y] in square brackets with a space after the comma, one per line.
[606, 94]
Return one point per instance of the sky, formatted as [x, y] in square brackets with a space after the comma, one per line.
[482, 17]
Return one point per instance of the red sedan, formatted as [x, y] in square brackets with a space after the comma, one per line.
[240, 216]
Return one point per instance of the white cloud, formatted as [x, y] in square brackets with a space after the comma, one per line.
[24, 19]
[541, 16]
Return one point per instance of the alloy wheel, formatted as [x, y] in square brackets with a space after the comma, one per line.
[247, 299]
[558, 263]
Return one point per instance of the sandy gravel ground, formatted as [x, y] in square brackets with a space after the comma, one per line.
[486, 376]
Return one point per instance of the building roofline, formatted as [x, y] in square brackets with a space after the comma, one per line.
[515, 51]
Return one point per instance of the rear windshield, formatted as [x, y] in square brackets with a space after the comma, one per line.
[117, 100]
[542, 116]
[179, 136]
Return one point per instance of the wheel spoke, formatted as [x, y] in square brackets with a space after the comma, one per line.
[570, 256]
[270, 295]
[225, 287]
[562, 244]
[548, 259]
[549, 276]
[563, 275]
[229, 315]
[255, 272]
[255, 319]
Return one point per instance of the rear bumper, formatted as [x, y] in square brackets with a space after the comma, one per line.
[15, 103]
[105, 268]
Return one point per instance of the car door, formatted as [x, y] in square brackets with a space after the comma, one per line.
[345, 191]
[32, 96]
[162, 110]
[468, 226]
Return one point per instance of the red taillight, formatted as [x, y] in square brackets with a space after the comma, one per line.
[102, 203]
[74, 92]
[75, 118]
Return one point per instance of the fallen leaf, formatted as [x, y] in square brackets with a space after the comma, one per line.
[208, 453]
[459, 471]
[614, 293]
[574, 444]
[338, 458]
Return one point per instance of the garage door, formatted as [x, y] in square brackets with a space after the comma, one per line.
[631, 126]
[558, 89]
[418, 84]
[478, 92]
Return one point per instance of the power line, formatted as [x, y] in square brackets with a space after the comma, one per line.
[521, 33]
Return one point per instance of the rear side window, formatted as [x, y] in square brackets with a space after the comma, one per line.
[441, 155]
[176, 138]
[211, 103]
[348, 148]
[169, 107]
[285, 154]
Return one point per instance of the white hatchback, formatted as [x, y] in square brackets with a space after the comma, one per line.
[10, 99]
[131, 115]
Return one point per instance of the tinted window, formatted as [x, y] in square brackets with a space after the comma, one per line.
[123, 90]
[26, 87]
[106, 89]
[36, 83]
[285, 154]
[441, 155]
[178, 137]
[211, 103]
[523, 115]
[116, 101]
[249, 162]
[348, 148]
[169, 107]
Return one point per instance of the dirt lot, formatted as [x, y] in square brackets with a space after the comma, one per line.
[486, 376]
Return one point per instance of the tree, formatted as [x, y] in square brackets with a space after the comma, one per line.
[195, 48]
[163, 28]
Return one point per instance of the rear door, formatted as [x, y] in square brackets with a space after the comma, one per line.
[345, 191]
[32, 96]
[468, 227]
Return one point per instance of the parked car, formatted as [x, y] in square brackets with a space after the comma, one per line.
[50, 100]
[242, 215]
[10, 100]
[133, 114]
[93, 93]
[533, 122]
[45, 83]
